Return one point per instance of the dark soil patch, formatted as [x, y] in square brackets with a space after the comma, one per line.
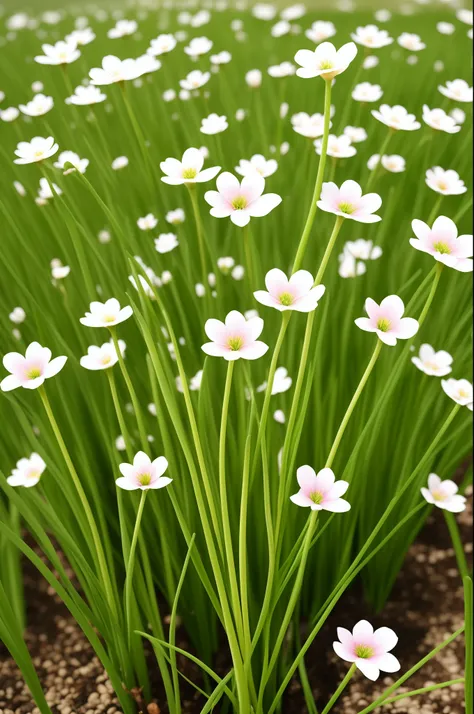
[425, 607]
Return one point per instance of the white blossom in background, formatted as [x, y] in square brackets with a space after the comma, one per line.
[17, 315]
[371, 37]
[119, 163]
[99, 358]
[459, 390]
[320, 31]
[166, 242]
[396, 117]
[443, 494]
[60, 53]
[147, 223]
[38, 106]
[435, 364]
[339, 147]
[458, 90]
[439, 120]
[38, 149]
[198, 46]
[195, 80]
[85, 96]
[411, 42]
[258, 163]
[162, 45]
[70, 157]
[254, 78]
[28, 472]
[123, 28]
[446, 182]
[394, 163]
[175, 217]
[214, 124]
[284, 69]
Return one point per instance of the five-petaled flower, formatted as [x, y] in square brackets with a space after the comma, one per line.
[98, 358]
[143, 473]
[241, 201]
[443, 243]
[27, 472]
[348, 202]
[235, 338]
[443, 494]
[296, 293]
[320, 491]
[437, 364]
[387, 320]
[460, 391]
[325, 61]
[369, 650]
[38, 149]
[31, 370]
[106, 314]
[188, 170]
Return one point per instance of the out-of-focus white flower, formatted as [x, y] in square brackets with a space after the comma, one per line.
[254, 78]
[320, 31]
[39, 105]
[214, 124]
[166, 242]
[38, 149]
[372, 37]
[437, 364]
[17, 315]
[198, 46]
[366, 92]
[60, 53]
[84, 96]
[162, 45]
[123, 28]
[175, 217]
[76, 163]
[394, 163]
[119, 163]
[446, 182]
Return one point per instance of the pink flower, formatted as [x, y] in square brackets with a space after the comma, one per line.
[241, 201]
[368, 650]
[443, 494]
[235, 338]
[320, 492]
[349, 202]
[387, 320]
[443, 243]
[31, 370]
[297, 293]
[143, 473]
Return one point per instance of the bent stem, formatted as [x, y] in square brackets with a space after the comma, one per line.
[340, 689]
[131, 391]
[457, 544]
[131, 565]
[319, 180]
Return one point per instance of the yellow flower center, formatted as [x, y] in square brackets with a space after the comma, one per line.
[144, 479]
[316, 497]
[31, 475]
[235, 343]
[33, 373]
[383, 324]
[239, 203]
[109, 318]
[326, 64]
[189, 173]
[439, 495]
[364, 651]
[442, 248]
[442, 185]
[286, 299]
[346, 208]
[106, 359]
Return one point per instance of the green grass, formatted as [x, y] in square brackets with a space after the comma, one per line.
[248, 560]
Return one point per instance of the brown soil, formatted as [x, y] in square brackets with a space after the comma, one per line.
[425, 607]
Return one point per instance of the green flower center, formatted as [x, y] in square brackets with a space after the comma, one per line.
[109, 318]
[33, 373]
[316, 497]
[346, 208]
[383, 324]
[364, 651]
[144, 479]
[235, 343]
[442, 248]
[326, 64]
[189, 173]
[286, 299]
[239, 203]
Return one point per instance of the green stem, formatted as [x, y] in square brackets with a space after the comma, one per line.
[328, 251]
[200, 234]
[250, 268]
[340, 689]
[457, 544]
[382, 151]
[102, 564]
[131, 391]
[430, 298]
[424, 690]
[131, 565]
[353, 403]
[319, 180]
[435, 209]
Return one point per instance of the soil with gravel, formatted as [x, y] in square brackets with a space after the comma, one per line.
[425, 607]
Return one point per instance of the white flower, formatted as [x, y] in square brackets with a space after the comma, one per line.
[225, 264]
[295, 293]
[258, 164]
[59, 272]
[439, 120]
[60, 53]
[264, 11]
[223, 57]
[241, 201]
[446, 182]
[279, 416]
[371, 37]
[120, 444]
[458, 90]
[383, 15]
[104, 237]
[106, 314]
[284, 69]
[395, 163]
[366, 92]
[396, 117]
[281, 28]
[122, 29]
[214, 124]
[238, 272]
[320, 31]
[339, 147]
[464, 14]
[9, 114]
[169, 95]
[293, 12]
[188, 170]
[200, 18]
[363, 249]
[38, 149]
[39, 105]
[254, 78]
[143, 473]
[321, 491]
[17, 315]
[387, 320]
[437, 364]
[235, 338]
[443, 494]
[148, 222]
[349, 267]
[175, 217]
[80, 37]
[166, 242]
[19, 188]
[460, 390]
[98, 358]
[281, 382]
[31, 370]
[195, 80]
[443, 243]
[70, 157]
[115, 70]
[310, 126]
[445, 28]
[370, 62]
[198, 46]
[458, 115]
[411, 42]
[27, 472]
[355, 133]
[162, 45]
[119, 163]
[85, 96]
[325, 61]
[48, 190]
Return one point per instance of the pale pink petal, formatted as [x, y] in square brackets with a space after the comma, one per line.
[207, 174]
[13, 361]
[253, 185]
[456, 504]
[214, 350]
[253, 351]
[421, 229]
[266, 299]
[276, 281]
[325, 479]
[408, 327]
[126, 484]
[350, 192]
[306, 477]
[227, 183]
[161, 482]
[338, 489]
[363, 629]
[394, 305]
[305, 57]
[9, 383]
[54, 366]
[338, 506]
[344, 652]
[387, 338]
[464, 245]
[307, 303]
[387, 663]
[427, 495]
[240, 218]
[372, 309]
[193, 159]
[215, 330]
[302, 282]
[370, 670]
[345, 636]
[141, 459]
[434, 482]
[263, 205]
[254, 328]
[385, 639]
[160, 465]
[172, 167]
[365, 323]
[33, 383]
[300, 499]
[127, 470]
[445, 227]
[235, 320]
